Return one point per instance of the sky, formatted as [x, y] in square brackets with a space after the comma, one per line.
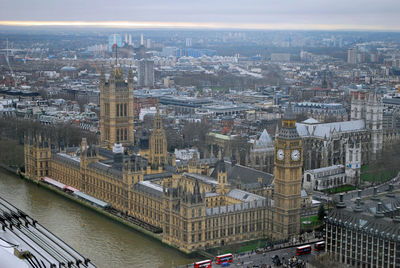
[244, 14]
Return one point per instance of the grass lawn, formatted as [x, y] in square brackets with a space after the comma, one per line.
[378, 176]
[376, 173]
[341, 189]
[313, 219]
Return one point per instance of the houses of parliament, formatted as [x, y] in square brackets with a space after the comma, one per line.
[207, 203]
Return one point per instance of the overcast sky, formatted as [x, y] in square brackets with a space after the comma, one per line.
[361, 14]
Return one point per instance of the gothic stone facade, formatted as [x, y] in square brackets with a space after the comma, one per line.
[193, 210]
[325, 144]
[116, 109]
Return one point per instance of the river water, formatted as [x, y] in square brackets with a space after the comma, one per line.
[107, 243]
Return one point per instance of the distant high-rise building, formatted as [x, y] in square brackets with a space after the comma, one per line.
[168, 51]
[130, 40]
[114, 39]
[141, 40]
[352, 55]
[188, 42]
[374, 57]
[148, 43]
[360, 57]
[145, 73]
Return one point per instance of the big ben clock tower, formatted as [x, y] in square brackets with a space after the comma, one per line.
[287, 179]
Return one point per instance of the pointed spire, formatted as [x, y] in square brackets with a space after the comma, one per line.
[118, 72]
[276, 130]
[130, 78]
[112, 73]
[157, 119]
[221, 162]
[264, 139]
[219, 154]
[289, 115]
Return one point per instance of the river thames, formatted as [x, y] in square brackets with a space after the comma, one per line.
[107, 243]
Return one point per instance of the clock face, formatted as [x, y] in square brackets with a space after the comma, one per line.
[295, 155]
[280, 154]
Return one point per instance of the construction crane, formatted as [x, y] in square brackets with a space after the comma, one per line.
[8, 63]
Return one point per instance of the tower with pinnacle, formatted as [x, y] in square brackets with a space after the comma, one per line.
[288, 164]
[116, 109]
[158, 143]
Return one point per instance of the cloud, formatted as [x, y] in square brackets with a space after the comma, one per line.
[364, 13]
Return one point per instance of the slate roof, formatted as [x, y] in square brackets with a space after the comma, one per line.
[73, 160]
[149, 188]
[106, 168]
[202, 178]
[365, 222]
[324, 169]
[157, 176]
[234, 207]
[244, 196]
[238, 174]
[202, 161]
[365, 219]
[325, 129]
[264, 140]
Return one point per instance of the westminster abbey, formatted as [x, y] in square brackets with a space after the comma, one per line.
[207, 203]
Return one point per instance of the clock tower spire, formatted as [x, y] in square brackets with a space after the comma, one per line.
[287, 178]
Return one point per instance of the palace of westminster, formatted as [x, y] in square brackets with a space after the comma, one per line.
[207, 203]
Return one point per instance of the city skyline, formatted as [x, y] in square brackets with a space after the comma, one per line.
[200, 134]
[307, 15]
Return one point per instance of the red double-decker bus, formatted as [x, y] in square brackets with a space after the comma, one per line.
[203, 264]
[319, 246]
[224, 258]
[303, 250]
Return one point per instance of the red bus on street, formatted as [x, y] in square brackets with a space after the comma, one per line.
[203, 264]
[224, 258]
[306, 249]
[319, 246]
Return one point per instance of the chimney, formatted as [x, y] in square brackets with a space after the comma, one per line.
[359, 195]
[390, 191]
[341, 203]
[379, 211]
[375, 196]
[358, 207]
